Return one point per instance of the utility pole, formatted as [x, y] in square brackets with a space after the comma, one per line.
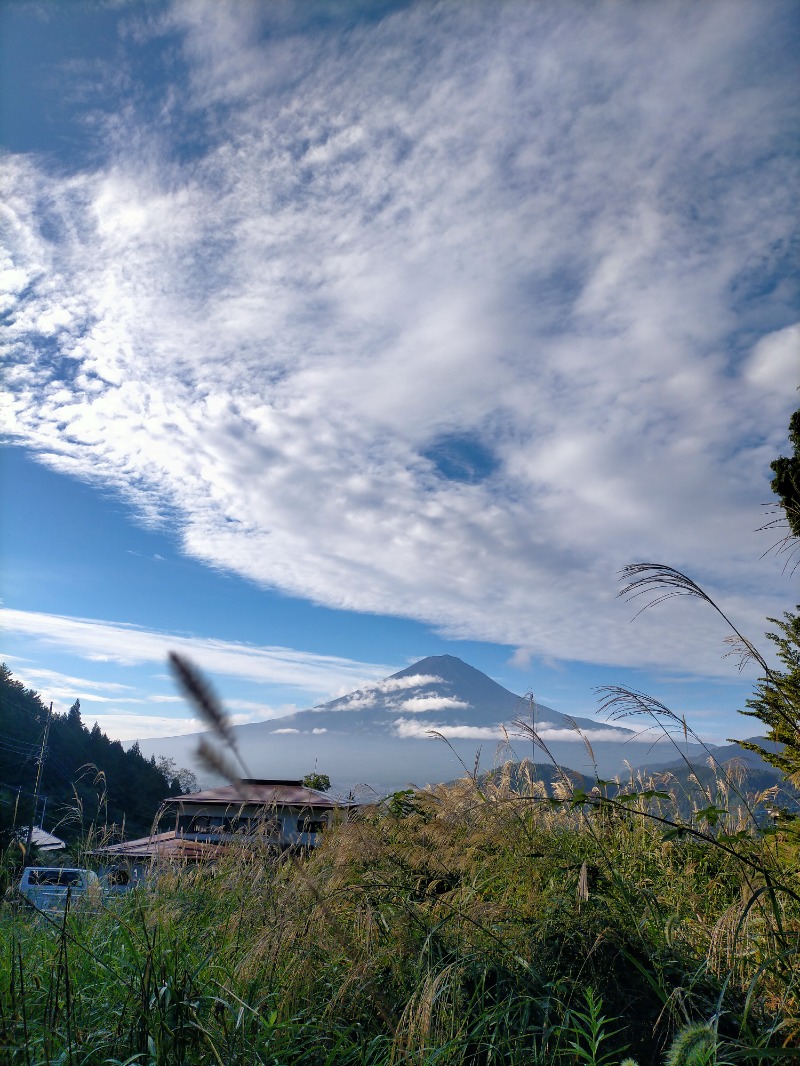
[533, 735]
[39, 764]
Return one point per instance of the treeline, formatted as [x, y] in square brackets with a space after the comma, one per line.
[86, 778]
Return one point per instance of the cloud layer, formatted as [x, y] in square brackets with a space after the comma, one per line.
[448, 317]
[414, 728]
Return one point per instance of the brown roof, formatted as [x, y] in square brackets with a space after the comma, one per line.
[160, 845]
[262, 794]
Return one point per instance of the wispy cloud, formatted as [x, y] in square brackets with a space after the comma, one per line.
[129, 727]
[34, 676]
[64, 689]
[555, 232]
[126, 644]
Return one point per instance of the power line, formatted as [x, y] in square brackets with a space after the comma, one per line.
[18, 749]
[15, 788]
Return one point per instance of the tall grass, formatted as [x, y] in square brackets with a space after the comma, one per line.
[491, 921]
[488, 922]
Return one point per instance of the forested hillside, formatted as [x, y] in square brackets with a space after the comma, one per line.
[86, 778]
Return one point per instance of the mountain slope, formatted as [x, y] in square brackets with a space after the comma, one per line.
[381, 733]
[733, 752]
[439, 692]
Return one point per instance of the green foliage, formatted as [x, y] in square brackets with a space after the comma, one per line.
[86, 778]
[695, 1045]
[786, 482]
[320, 782]
[776, 701]
[591, 1033]
[180, 781]
[402, 803]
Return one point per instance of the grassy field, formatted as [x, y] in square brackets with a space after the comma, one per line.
[476, 923]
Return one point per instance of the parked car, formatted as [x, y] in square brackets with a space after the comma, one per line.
[50, 888]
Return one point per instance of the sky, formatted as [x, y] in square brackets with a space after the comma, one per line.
[340, 334]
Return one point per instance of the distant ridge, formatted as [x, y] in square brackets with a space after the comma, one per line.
[734, 751]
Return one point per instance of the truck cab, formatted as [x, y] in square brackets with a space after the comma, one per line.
[50, 888]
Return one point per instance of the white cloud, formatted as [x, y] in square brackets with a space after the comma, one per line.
[129, 727]
[400, 684]
[369, 696]
[53, 679]
[360, 701]
[286, 729]
[413, 728]
[775, 360]
[421, 704]
[521, 658]
[64, 689]
[591, 735]
[552, 229]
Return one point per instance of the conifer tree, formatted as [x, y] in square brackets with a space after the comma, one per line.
[776, 701]
[786, 483]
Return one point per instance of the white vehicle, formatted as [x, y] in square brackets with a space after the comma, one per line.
[51, 888]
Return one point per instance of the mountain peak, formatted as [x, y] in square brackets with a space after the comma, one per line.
[433, 663]
[461, 676]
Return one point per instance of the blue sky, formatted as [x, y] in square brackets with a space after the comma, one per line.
[338, 335]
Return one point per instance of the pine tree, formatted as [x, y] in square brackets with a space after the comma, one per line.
[786, 483]
[776, 701]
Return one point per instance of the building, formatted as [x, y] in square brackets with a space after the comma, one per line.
[46, 841]
[276, 813]
[283, 814]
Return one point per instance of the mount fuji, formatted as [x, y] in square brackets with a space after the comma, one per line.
[424, 724]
